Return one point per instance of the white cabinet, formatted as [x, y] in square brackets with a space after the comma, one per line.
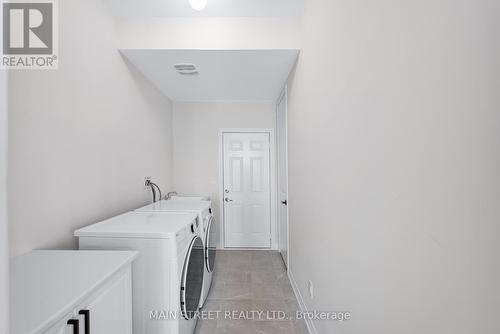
[88, 289]
[111, 311]
[108, 310]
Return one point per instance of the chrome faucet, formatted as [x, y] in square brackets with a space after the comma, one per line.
[170, 194]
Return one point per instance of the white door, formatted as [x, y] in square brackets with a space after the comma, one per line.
[247, 190]
[282, 179]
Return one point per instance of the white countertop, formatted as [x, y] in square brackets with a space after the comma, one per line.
[46, 285]
[158, 225]
[176, 205]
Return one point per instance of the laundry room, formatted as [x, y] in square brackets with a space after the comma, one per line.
[249, 166]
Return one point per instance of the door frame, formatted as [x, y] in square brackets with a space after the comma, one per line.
[283, 97]
[272, 181]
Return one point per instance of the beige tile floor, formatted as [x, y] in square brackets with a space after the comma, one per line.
[246, 281]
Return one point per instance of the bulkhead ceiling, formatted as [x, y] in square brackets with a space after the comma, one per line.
[214, 8]
[220, 74]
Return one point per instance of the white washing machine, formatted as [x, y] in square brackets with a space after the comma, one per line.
[204, 211]
[168, 273]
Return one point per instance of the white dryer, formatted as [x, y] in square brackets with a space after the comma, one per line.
[168, 274]
[203, 209]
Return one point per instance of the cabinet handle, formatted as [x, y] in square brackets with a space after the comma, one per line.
[76, 325]
[86, 314]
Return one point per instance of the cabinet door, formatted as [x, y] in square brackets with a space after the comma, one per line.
[111, 309]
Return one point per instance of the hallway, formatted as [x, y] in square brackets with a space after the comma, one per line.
[251, 283]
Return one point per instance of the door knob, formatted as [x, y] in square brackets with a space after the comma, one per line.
[285, 202]
[228, 200]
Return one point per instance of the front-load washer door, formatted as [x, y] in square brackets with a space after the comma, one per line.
[210, 248]
[192, 279]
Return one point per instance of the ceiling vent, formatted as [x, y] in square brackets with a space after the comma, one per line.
[186, 69]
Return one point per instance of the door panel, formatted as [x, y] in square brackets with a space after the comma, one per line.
[236, 219]
[110, 312]
[256, 174]
[281, 127]
[247, 216]
[236, 166]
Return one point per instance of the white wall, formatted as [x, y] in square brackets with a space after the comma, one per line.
[196, 149]
[83, 137]
[4, 249]
[395, 165]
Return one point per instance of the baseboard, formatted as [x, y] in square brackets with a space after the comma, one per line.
[302, 304]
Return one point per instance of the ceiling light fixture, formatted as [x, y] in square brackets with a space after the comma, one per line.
[198, 4]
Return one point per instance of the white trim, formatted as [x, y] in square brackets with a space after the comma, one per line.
[283, 96]
[4, 249]
[272, 182]
[303, 307]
